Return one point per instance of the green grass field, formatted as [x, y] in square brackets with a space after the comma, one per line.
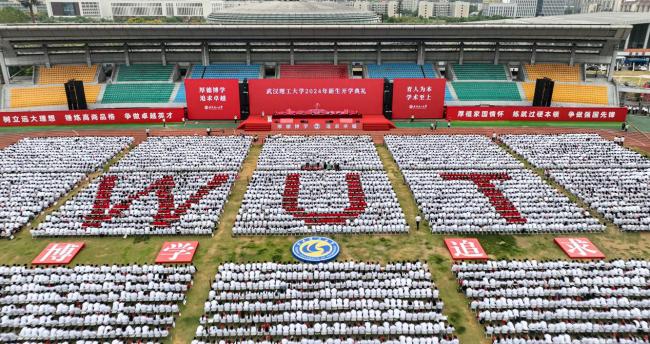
[417, 245]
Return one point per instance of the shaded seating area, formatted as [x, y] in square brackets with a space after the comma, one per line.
[138, 93]
[479, 71]
[486, 91]
[226, 71]
[144, 72]
[314, 71]
[60, 74]
[400, 70]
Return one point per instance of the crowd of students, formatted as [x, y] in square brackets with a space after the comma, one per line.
[91, 303]
[611, 179]
[559, 302]
[468, 184]
[338, 302]
[36, 172]
[319, 184]
[165, 186]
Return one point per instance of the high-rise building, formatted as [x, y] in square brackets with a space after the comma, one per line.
[551, 7]
[500, 9]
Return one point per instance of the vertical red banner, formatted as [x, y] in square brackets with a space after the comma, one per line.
[212, 98]
[421, 98]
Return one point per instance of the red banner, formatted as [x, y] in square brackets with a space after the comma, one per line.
[58, 253]
[532, 113]
[465, 249]
[177, 252]
[364, 96]
[579, 248]
[212, 98]
[95, 116]
[421, 98]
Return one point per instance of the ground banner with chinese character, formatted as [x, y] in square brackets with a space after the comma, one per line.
[58, 253]
[420, 98]
[579, 248]
[95, 116]
[532, 113]
[465, 249]
[212, 98]
[364, 96]
[177, 252]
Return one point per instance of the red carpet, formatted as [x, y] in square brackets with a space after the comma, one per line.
[365, 122]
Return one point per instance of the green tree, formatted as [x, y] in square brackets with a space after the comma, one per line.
[9, 15]
[31, 5]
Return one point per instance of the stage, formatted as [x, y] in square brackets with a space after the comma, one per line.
[324, 122]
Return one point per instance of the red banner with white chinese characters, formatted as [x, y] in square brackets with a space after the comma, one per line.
[579, 248]
[58, 253]
[95, 116]
[532, 113]
[177, 252]
[465, 249]
[420, 98]
[364, 96]
[212, 98]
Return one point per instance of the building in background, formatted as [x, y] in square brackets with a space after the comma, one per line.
[16, 4]
[635, 6]
[501, 9]
[458, 9]
[547, 8]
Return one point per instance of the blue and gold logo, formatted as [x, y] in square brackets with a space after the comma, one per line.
[315, 249]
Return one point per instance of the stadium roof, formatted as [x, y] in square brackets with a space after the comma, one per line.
[295, 12]
[599, 18]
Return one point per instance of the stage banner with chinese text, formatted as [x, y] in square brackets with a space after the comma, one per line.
[421, 98]
[212, 98]
[364, 96]
[531, 113]
[96, 116]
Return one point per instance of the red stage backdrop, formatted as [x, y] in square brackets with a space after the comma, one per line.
[422, 98]
[96, 116]
[279, 95]
[531, 113]
[212, 98]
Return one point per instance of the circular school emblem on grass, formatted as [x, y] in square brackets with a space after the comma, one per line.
[315, 249]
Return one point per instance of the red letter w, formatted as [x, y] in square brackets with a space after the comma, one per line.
[163, 187]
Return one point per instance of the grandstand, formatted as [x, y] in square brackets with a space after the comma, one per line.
[400, 70]
[573, 93]
[60, 74]
[313, 71]
[27, 97]
[486, 91]
[553, 71]
[226, 71]
[144, 72]
[479, 71]
[138, 93]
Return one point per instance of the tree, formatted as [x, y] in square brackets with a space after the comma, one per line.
[31, 4]
[10, 15]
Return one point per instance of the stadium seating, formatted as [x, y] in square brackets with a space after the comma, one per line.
[180, 95]
[610, 179]
[319, 184]
[165, 186]
[399, 70]
[314, 71]
[467, 184]
[539, 302]
[556, 72]
[572, 93]
[479, 71]
[144, 72]
[226, 71]
[36, 172]
[25, 97]
[138, 93]
[332, 303]
[60, 74]
[486, 91]
[91, 303]
[448, 95]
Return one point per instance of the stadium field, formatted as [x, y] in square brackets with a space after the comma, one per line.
[416, 245]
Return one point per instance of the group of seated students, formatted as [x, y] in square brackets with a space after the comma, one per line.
[91, 303]
[559, 302]
[611, 179]
[468, 184]
[343, 190]
[36, 172]
[337, 302]
[165, 186]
